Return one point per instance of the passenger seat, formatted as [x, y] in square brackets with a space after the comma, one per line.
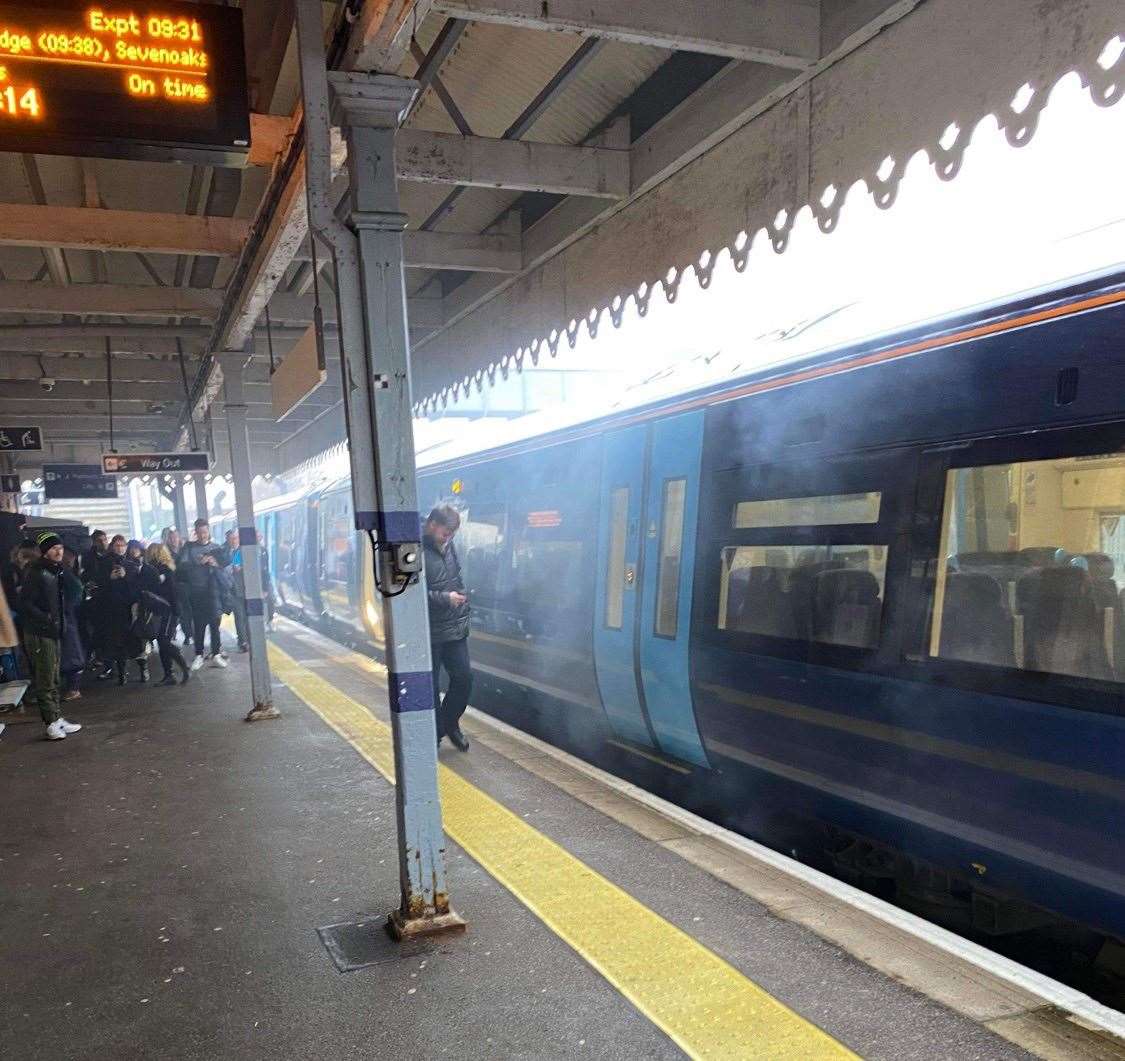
[1063, 626]
[846, 608]
[765, 607]
[976, 625]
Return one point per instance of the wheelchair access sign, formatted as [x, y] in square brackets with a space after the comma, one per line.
[20, 439]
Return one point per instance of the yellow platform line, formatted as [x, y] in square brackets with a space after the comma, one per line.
[704, 1004]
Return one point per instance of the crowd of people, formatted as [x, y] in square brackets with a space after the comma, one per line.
[65, 616]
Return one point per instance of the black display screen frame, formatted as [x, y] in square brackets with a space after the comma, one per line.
[131, 127]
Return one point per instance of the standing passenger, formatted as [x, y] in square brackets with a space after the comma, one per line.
[119, 593]
[158, 592]
[95, 556]
[449, 622]
[9, 641]
[199, 571]
[238, 586]
[72, 661]
[41, 606]
[174, 543]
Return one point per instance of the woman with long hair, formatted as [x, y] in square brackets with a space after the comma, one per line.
[159, 596]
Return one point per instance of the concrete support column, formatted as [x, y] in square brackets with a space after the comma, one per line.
[372, 303]
[235, 402]
[202, 510]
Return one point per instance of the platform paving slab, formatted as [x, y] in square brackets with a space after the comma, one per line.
[163, 874]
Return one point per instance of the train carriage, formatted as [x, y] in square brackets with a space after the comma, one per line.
[866, 608]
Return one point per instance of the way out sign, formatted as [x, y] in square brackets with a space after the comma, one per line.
[155, 463]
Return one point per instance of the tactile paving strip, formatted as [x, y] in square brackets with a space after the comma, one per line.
[704, 1004]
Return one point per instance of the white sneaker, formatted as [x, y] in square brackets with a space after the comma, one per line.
[68, 726]
[2, 728]
[55, 731]
[218, 661]
[197, 663]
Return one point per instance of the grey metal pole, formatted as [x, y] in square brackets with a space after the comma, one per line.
[202, 510]
[370, 108]
[235, 403]
[179, 509]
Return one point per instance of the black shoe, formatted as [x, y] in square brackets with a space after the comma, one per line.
[167, 680]
[122, 677]
[460, 741]
[105, 673]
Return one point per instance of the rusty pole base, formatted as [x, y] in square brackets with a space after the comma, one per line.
[262, 712]
[402, 928]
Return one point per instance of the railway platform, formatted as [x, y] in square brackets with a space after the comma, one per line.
[177, 884]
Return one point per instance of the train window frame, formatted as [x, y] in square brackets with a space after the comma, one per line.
[614, 573]
[889, 471]
[872, 497]
[1057, 689]
[662, 557]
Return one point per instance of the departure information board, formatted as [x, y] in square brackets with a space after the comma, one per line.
[162, 81]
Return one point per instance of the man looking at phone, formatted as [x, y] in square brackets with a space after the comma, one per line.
[200, 571]
[449, 622]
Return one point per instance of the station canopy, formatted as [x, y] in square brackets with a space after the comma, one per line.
[650, 134]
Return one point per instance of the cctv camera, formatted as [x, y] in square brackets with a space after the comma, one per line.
[47, 384]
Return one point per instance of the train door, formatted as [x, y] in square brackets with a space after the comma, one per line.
[619, 561]
[649, 506]
[664, 623]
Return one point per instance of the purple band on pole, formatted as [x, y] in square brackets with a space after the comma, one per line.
[411, 691]
[398, 526]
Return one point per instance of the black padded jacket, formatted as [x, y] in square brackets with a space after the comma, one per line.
[40, 601]
[448, 621]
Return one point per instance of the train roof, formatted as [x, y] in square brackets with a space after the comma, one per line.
[822, 339]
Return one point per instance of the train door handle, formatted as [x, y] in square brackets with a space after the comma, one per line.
[630, 574]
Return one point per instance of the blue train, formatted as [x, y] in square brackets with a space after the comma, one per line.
[866, 608]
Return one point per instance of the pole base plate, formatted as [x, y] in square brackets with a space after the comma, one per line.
[404, 928]
[263, 712]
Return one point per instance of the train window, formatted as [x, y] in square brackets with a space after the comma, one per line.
[481, 548]
[831, 594]
[1031, 568]
[671, 546]
[615, 567]
[548, 559]
[827, 510]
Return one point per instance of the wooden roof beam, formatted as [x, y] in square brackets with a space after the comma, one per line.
[119, 230]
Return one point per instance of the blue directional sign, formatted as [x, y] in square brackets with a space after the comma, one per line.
[77, 481]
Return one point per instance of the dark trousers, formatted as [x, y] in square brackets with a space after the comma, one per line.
[169, 654]
[186, 619]
[454, 656]
[241, 621]
[205, 618]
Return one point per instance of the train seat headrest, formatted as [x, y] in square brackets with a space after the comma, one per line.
[973, 591]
